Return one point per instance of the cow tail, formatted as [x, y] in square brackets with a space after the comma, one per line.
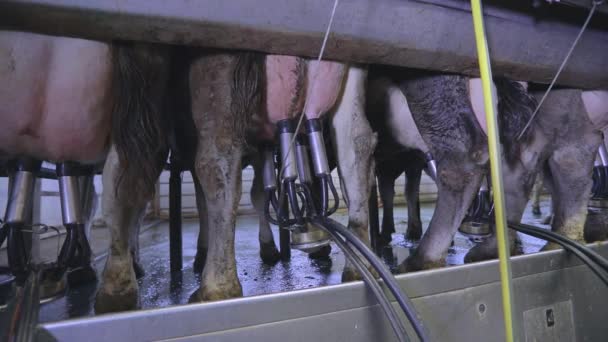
[139, 124]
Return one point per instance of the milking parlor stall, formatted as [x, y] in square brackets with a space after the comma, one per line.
[314, 170]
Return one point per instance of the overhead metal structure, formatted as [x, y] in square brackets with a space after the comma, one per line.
[414, 34]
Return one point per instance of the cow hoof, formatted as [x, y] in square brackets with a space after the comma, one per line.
[596, 227]
[199, 261]
[351, 274]
[536, 211]
[82, 275]
[124, 300]
[550, 246]
[414, 264]
[385, 239]
[548, 220]
[321, 253]
[50, 286]
[139, 271]
[204, 294]
[269, 253]
[480, 253]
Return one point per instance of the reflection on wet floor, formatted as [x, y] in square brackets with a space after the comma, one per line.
[159, 288]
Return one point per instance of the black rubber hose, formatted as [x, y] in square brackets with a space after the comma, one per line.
[334, 194]
[267, 204]
[369, 279]
[561, 240]
[604, 183]
[293, 202]
[571, 247]
[68, 249]
[324, 196]
[596, 181]
[404, 302]
[3, 233]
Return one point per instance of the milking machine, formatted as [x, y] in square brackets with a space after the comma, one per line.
[599, 191]
[35, 279]
[303, 208]
[475, 224]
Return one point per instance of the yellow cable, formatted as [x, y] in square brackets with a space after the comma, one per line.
[495, 167]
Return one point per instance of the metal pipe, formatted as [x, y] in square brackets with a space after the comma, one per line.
[69, 193]
[20, 198]
[303, 161]
[431, 165]
[603, 154]
[288, 160]
[317, 147]
[269, 176]
[495, 168]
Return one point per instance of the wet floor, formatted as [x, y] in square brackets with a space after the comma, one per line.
[160, 288]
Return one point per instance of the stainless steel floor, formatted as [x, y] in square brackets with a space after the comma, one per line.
[159, 288]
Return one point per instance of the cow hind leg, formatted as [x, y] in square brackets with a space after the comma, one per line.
[123, 209]
[222, 88]
[571, 168]
[354, 142]
[457, 183]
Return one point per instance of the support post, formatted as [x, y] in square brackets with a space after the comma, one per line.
[175, 214]
[495, 168]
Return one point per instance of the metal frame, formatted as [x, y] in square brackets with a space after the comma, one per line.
[460, 303]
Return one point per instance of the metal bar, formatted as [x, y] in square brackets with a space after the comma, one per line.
[448, 299]
[406, 33]
[374, 216]
[495, 168]
[175, 216]
[585, 4]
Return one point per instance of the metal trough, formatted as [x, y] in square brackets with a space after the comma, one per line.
[556, 299]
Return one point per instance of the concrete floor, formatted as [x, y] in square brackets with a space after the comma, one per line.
[159, 288]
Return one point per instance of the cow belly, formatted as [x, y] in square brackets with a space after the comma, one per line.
[401, 121]
[476, 98]
[55, 100]
[324, 86]
[596, 104]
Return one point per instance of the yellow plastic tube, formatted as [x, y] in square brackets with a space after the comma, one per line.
[495, 166]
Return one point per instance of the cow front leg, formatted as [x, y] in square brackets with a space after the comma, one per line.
[354, 142]
[123, 208]
[457, 183]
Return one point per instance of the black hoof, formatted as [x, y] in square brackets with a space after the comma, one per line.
[139, 271]
[269, 254]
[51, 285]
[195, 297]
[81, 276]
[536, 211]
[413, 235]
[321, 253]
[385, 239]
